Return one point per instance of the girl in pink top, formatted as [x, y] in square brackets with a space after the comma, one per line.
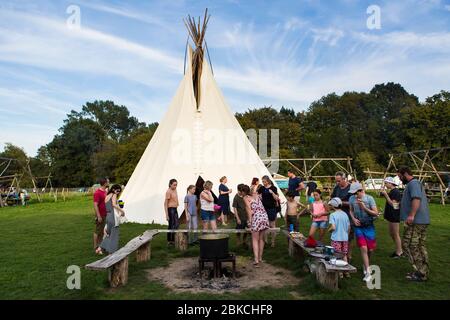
[319, 214]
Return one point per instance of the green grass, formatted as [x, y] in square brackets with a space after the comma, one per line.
[40, 241]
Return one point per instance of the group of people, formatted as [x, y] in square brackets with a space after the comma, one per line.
[254, 206]
[350, 214]
[108, 216]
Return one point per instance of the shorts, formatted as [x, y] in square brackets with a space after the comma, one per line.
[292, 220]
[392, 217]
[365, 237]
[320, 224]
[207, 215]
[100, 226]
[340, 246]
[272, 214]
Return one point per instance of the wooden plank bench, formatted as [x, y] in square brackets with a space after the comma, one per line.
[117, 262]
[326, 273]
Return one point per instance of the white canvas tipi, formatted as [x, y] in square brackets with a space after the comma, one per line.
[190, 142]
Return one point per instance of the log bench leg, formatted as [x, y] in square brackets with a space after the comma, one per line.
[328, 280]
[118, 273]
[295, 251]
[143, 253]
[181, 241]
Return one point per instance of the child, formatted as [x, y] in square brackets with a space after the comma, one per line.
[190, 208]
[240, 213]
[340, 228]
[363, 211]
[319, 214]
[292, 211]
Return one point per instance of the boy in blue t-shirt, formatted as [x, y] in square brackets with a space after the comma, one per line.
[340, 227]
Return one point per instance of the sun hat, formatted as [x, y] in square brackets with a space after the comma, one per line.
[355, 187]
[335, 202]
[391, 181]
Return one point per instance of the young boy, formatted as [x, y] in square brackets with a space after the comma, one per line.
[340, 227]
[292, 211]
[190, 208]
[363, 211]
[240, 214]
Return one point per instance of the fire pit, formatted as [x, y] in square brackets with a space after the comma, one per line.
[214, 248]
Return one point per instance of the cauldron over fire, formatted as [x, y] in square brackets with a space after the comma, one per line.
[214, 246]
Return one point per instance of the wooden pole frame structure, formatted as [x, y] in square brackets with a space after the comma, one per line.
[309, 164]
[26, 169]
[424, 166]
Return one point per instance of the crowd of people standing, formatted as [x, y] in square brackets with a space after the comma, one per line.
[349, 214]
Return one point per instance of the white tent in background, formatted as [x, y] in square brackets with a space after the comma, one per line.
[190, 142]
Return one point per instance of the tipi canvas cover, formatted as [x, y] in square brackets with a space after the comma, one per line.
[190, 142]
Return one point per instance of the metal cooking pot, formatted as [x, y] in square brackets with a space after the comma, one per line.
[213, 246]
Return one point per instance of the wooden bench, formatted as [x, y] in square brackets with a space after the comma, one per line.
[117, 262]
[326, 273]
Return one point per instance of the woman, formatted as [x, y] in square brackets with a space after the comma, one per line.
[254, 186]
[257, 221]
[207, 206]
[111, 241]
[392, 214]
[270, 200]
[170, 207]
[224, 200]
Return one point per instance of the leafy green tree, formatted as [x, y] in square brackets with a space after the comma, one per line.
[130, 151]
[115, 120]
[71, 152]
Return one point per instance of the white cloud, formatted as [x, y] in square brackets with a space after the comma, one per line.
[52, 45]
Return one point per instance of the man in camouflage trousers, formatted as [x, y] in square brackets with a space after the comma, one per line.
[415, 213]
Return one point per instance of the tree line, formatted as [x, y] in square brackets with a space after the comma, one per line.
[103, 139]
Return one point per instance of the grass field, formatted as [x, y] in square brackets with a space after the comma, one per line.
[40, 241]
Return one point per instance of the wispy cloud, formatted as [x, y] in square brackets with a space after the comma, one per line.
[262, 53]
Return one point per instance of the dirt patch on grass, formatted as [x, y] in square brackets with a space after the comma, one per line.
[182, 275]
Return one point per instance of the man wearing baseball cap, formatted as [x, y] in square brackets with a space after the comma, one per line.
[392, 213]
[363, 211]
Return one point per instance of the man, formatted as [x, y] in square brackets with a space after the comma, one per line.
[341, 191]
[416, 214]
[240, 213]
[100, 211]
[295, 185]
[311, 186]
[363, 211]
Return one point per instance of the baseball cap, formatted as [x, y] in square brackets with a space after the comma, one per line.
[335, 202]
[355, 187]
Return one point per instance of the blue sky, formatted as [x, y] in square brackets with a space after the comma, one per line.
[279, 53]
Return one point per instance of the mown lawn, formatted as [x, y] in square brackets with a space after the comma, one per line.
[40, 241]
